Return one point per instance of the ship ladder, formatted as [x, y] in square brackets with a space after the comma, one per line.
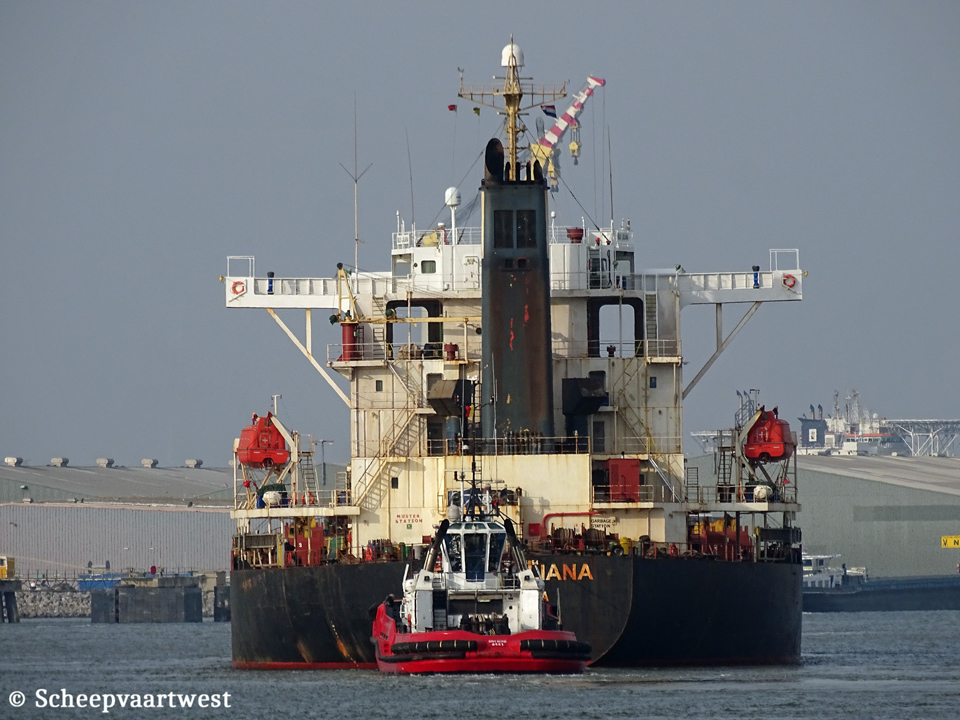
[308, 475]
[379, 349]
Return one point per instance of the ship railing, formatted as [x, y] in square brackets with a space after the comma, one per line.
[632, 348]
[331, 498]
[784, 259]
[662, 444]
[610, 493]
[556, 234]
[724, 550]
[561, 234]
[295, 286]
[519, 444]
[786, 493]
[59, 579]
[509, 581]
[437, 236]
[590, 280]
[384, 351]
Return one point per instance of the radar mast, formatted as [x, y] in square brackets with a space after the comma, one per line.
[512, 92]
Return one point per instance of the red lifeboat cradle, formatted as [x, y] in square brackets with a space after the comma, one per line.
[474, 607]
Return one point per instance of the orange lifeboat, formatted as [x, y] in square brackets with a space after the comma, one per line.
[769, 439]
[261, 444]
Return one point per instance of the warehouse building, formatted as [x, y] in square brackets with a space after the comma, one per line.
[884, 513]
[63, 519]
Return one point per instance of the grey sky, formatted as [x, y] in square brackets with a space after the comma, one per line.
[142, 143]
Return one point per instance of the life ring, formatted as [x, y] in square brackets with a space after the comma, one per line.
[673, 550]
[789, 280]
[238, 287]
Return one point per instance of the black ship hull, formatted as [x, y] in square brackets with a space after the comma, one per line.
[632, 611]
[887, 595]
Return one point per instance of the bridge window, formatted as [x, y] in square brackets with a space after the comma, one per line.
[474, 555]
[451, 542]
[599, 436]
[526, 228]
[503, 229]
[428, 267]
[497, 541]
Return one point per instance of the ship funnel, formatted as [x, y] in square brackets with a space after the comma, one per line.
[493, 162]
[517, 365]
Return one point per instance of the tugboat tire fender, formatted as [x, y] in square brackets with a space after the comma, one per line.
[433, 646]
[571, 647]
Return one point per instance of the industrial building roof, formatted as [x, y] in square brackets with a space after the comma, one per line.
[139, 484]
[938, 474]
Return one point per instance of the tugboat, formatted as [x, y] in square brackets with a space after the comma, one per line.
[475, 606]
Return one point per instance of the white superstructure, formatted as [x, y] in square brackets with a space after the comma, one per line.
[414, 330]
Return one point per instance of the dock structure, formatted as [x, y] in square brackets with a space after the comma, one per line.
[8, 601]
[149, 600]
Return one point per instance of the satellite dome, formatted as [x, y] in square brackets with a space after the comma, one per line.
[511, 56]
[452, 197]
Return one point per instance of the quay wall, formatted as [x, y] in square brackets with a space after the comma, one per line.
[46, 603]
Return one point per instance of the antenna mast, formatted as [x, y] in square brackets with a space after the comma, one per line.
[512, 93]
[356, 180]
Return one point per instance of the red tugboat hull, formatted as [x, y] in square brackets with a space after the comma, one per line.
[554, 652]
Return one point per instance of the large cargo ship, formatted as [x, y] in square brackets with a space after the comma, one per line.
[481, 352]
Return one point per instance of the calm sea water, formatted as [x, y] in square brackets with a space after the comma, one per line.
[861, 665]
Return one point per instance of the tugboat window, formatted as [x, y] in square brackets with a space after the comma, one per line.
[452, 543]
[379, 385]
[497, 541]
[503, 229]
[428, 267]
[526, 228]
[475, 555]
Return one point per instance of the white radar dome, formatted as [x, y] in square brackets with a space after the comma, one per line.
[511, 56]
[452, 197]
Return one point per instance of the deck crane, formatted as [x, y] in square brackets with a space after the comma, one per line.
[545, 149]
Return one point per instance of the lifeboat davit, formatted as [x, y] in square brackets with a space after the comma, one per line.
[769, 438]
[261, 445]
[474, 607]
